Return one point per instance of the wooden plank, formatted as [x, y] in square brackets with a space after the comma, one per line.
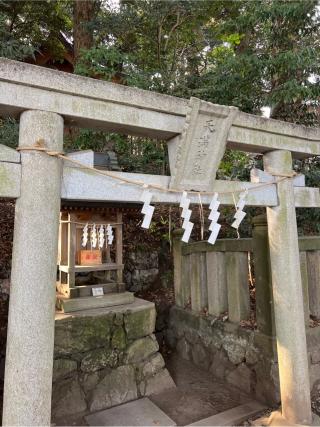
[10, 178]
[199, 292]
[85, 268]
[71, 249]
[217, 283]
[313, 263]
[119, 257]
[238, 286]
[221, 245]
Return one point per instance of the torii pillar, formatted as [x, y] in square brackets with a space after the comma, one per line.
[287, 294]
[29, 358]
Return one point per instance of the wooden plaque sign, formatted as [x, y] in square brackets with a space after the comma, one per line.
[90, 257]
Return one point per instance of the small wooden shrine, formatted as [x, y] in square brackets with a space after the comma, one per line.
[90, 260]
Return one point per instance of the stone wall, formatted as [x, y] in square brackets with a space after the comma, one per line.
[141, 270]
[106, 357]
[245, 358]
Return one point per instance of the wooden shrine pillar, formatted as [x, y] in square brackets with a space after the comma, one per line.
[29, 358]
[287, 294]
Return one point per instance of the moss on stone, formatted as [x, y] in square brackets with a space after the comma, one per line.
[99, 359]
[118, 340]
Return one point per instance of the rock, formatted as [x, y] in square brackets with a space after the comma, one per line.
[143, 279]
[157, 384]
[80, 334]
[314, 374]
[63, 368]
[99, 359]
[191, 335]
[235, 351]
[118, 319]
[170, 339]
[241, 378]
[142, 260]
[67, 398]
[221, 365]
[118, 340]
[117, 387]
[140, 323]
[141, 349]
[184, 349]
[315, 397]
[90, 381]
[152, 366]
[252, 355]
[200, 356]
[315, 356]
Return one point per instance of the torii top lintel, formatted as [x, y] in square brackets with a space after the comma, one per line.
[87, 102]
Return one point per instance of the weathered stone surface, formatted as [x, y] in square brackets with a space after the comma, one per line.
[200, 357]
[314, 374]
[140, 323]
[315, 355]
[118, 340]
[67, 398]
[81, 334]
[88, 381]
[184, 349]
[143, 259]
[152, 366]
[118, 319]
[221, 365]
[141, 349]
[99, 359]
[241, 378]
[63, 368]
[158, 383]
[31, 315]
[235, 349]
[142, 279]
[252, 355]
[117, 387]
[315, 397]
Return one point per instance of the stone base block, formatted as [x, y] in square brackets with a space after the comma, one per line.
[68, 305]
[105, 357]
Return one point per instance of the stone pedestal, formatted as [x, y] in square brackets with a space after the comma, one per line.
[28, 372]
[105, 357]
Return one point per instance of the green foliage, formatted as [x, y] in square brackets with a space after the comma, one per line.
[34, 24]
[9, 132]
[270, 50]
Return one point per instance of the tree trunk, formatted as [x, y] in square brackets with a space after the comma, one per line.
[83, 13]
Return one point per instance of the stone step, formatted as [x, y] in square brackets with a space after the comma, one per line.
[234, 416]
[68, 305]
[86, 290]
[140, 412]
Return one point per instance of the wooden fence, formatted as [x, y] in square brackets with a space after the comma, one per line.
[216, 278]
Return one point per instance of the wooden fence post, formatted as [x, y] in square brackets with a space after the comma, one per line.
[238, 286]
[263, 282]
[217, 283]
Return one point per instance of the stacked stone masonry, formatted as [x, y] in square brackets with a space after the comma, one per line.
[106, 357]
[245, 358]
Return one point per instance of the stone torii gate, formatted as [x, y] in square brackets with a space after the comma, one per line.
[197, 133]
